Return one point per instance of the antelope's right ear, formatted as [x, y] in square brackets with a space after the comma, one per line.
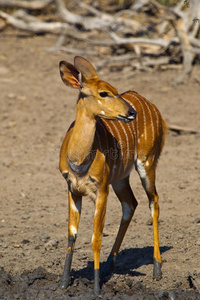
[69, 75]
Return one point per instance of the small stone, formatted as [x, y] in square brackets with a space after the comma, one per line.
[25, 241]
[50, 245]
[22, 98]
[11, 96]
[4, 71]
[180, 236]
[197, 220]
[198, 242]
[149, 222]
[181, 187]
[45, 237]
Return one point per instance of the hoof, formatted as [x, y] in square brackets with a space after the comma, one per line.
[97, 293]
[157, 274]
[64, 283]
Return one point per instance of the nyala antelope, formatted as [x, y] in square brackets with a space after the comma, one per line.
[126, 123]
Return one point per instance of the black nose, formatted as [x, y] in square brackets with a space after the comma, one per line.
[131, 115]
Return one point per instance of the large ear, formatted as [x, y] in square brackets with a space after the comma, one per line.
[69, 75]
[86, 68]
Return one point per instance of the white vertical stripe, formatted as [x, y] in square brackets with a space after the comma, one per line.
[157, 117]
[120, 139]
[127, 144]
[115, 149]
[132, 150]
[132, 122]
[137, 120]
[150, 114]
[132, 129]
[144, 117]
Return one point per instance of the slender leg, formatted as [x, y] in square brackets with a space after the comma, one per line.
[154, 206]
[147, 175]
[99, 218]
[129, 204]
[74, 217]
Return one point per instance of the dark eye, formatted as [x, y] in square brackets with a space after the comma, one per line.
[103, 94]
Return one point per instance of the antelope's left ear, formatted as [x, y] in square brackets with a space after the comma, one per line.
[69, 75]
[86, 68]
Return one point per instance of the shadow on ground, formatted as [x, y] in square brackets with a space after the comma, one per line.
[39, 284]
[128, 261]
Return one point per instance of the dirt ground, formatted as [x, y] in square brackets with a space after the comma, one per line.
[36, 109]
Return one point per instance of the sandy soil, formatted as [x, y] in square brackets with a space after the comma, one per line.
[36, 110]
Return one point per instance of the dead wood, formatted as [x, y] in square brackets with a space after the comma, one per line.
[31, 24]
[182, 130]
[72, 51]
[122, 58]
[30, 5]
[175, 36]
[188, 54]
[101, 22]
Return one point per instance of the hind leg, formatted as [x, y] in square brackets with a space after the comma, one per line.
[147, 176]
[129, 203]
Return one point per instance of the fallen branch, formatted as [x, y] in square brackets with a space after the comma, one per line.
[37, 26]
[182, 23]
[188, 54]
[72, 51]
[31, 5]
[125, 41]
[119, 41]
[101, 22]
[182, 130]
[122, 58]
[176, 36]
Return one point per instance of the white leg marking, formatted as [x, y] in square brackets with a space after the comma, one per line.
[92, 238]
[151, 206]
[141, 169]
[73, 230]
[76, 206]
[126, 211]
[142, 172]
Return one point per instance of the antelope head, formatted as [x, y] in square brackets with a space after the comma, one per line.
[100, 98]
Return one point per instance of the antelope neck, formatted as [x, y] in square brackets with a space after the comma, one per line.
[82, 137]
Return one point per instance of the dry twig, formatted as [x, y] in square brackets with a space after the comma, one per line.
[30, 5]
[177, 33]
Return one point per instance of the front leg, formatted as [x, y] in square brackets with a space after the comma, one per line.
[99, 218]
[74, 217]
